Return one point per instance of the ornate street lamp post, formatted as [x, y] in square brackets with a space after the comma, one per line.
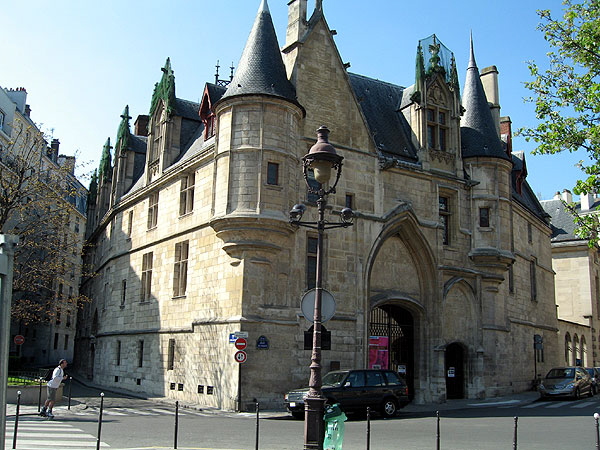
[321, 160]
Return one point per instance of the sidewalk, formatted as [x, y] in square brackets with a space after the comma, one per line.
[81, 402]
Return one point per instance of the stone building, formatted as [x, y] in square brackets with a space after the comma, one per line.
[577, 282]
[446, 275]
[52, 207]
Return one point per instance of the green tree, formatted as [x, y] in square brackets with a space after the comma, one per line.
[567, 96]
[37, 203]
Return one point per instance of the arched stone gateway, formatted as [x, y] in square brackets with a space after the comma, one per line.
[401, 291]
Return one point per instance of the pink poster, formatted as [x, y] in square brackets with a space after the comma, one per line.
[378, 352]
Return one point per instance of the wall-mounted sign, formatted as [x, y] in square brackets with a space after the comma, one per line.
[262, 343]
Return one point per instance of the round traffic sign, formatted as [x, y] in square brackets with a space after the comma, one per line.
[240, 343]
[19, 340]
[240, 356]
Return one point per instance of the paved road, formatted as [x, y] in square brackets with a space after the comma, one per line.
[136, 423]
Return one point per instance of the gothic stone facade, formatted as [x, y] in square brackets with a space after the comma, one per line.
[446, 274]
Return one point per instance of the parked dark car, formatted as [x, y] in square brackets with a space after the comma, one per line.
[595, 376]
[566, 382]
[355, 390]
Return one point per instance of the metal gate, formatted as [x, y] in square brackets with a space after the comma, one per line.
[391, 341]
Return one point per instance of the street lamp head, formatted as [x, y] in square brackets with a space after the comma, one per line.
[347, 215]
[297, 212]
[322, 157]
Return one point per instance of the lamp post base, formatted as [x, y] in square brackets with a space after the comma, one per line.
[314, 427]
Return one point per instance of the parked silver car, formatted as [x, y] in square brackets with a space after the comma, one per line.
[566, 382]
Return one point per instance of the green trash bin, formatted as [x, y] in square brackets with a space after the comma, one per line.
[334, 427]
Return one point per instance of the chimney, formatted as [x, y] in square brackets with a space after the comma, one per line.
[68, 162]
[557, 196]
[18, 97]
[296, 21]
[567, 196]
[489, 79]
[506, 133]
[53, 150]
[140, 127]
[587, 201]
[28, 110]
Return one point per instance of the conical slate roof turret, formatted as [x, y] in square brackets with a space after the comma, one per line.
[261, 70]
[477, 129]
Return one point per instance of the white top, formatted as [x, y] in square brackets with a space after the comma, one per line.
[57, 377]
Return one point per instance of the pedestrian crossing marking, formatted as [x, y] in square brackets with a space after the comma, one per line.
[38, 434]
[584, 405]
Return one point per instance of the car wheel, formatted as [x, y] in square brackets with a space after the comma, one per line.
[389, 408]
[298, 415]
[591, 393]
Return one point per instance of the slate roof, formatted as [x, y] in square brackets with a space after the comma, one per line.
[561, 222]
[380, 103]
[261, 70]
[526, 197]
[477, 129]
[187, 109]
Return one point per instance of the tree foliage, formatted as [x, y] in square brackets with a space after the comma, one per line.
[37, 203]
[567, 95]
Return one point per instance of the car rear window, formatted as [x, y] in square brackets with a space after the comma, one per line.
[394, 379]
[375, 379]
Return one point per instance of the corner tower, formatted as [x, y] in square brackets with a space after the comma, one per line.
[489, 167]
[256, 146]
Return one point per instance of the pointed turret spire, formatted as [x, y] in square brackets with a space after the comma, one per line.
[164, 90]
[420, 67]
[105, 169]
[93, 190]
[124, 133]
[261, 70]
[477, 128]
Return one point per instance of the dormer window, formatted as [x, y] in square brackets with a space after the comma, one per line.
[437, 128]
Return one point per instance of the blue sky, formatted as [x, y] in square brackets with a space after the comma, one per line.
[82, 62]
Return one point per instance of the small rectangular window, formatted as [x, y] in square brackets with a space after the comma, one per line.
[186, 195]
[130, 223]
[180, 268]
[484, 217]
[55, 341]
[66, 342]
[140, 353]
[272, 173]
[146, 288]
[123, 292]
[349, 203]
[118, 353]
[529, 233]
[444, 210]
[153, 210]
[532, 279]
[171, 361]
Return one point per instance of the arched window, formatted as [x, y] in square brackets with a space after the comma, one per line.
[584, 355]
[568, 349]
[576, 352]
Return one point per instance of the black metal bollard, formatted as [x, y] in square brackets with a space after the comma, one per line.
[437, 439]
[257, 423]
[368, 428]
[515, 436]
[40, 396]
[70, 385]
[100, 420]
[596, 419]
[17, 419]
[176, 424]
